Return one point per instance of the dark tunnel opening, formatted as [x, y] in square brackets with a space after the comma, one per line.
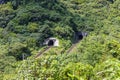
[80, 37]
[50, 43]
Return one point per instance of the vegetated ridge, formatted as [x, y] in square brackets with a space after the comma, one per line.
[25, 24]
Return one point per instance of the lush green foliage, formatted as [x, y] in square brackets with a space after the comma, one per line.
[25, 24]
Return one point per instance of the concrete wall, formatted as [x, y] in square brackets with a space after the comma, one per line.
[56, 41]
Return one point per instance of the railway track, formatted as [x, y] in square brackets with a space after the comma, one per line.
[72, 47]
[42, 52]
[47, 48]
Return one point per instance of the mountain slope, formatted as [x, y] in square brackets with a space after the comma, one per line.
[24, 25]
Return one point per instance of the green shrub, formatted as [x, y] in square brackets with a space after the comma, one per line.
[32, 27]
[109, 70]
[19, 51]
[64, 32]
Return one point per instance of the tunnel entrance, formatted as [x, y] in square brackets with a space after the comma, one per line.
[50, 43]
[80, 37]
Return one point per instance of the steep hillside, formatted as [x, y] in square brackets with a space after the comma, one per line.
[28, 24]
[24, 25]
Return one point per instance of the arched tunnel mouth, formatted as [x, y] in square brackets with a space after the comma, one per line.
[50, 43]
[80, 37]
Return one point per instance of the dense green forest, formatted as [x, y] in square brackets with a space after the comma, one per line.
[26, 24]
